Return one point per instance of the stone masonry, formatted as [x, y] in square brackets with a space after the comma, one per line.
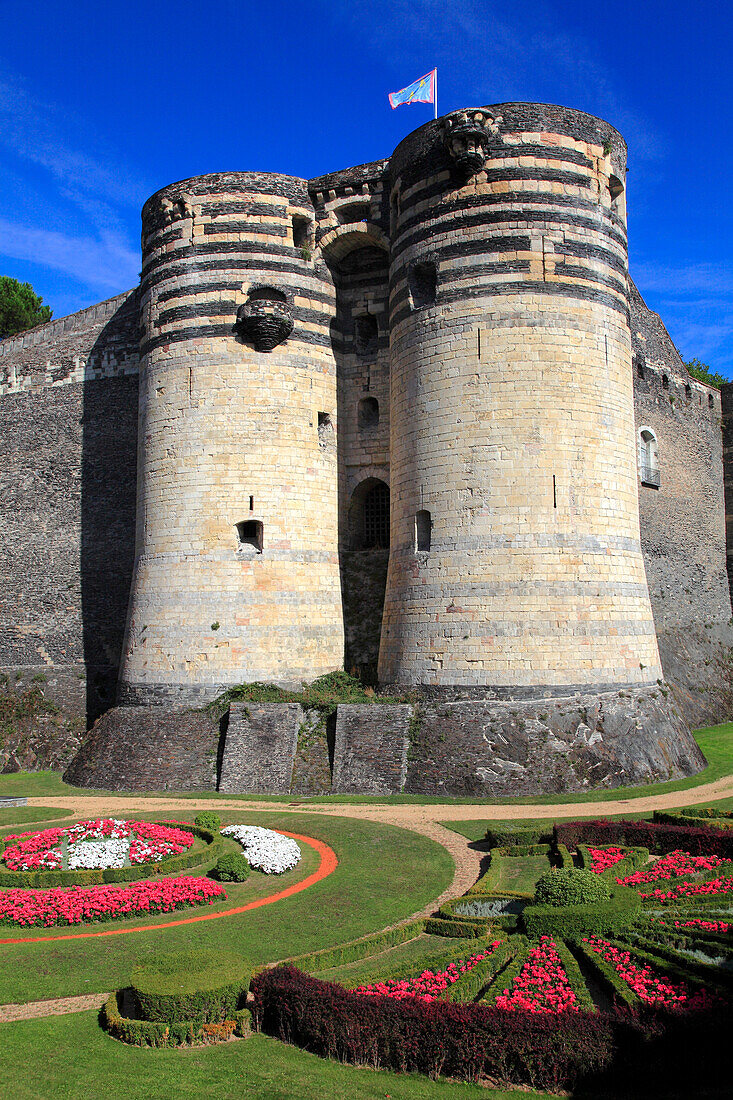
[411, 418]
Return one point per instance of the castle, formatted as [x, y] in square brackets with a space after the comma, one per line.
[410, 418]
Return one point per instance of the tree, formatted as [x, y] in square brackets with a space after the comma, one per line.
[20, 307]
[703, 373]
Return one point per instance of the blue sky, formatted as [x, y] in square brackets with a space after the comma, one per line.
[103, 102]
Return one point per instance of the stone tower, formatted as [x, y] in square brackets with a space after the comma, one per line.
[515, 563]
[236, 575]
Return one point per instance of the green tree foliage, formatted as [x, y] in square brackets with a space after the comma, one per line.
[703, 373]
[20, 307]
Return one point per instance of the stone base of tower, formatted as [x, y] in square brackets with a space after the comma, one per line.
[471, 747]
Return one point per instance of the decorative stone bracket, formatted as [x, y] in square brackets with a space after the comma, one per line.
[466, 135]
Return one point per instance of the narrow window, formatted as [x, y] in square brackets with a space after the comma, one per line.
[688, 392]
[251, 504]
[301, 232]
[648, 458]
[365, 333]
[665, 382]
[711, 401]
[423, 282]
[368, 414]
[423, 528]
[325, 429]
[250, 534]
[639, 364]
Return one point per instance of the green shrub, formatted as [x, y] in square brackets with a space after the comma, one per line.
[510, 836]
[203, 986]
[232, 868]
[208, 820]
[570, 886]
[447, 926]
[574, 921]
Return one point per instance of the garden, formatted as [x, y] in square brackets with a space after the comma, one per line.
[589, 958]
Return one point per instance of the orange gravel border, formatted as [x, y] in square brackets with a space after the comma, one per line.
[326, 867]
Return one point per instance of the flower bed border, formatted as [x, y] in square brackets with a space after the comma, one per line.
[186, 861]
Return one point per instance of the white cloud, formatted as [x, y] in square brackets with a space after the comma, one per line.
[104, 264]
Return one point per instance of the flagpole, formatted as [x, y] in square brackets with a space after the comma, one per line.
[435, 89]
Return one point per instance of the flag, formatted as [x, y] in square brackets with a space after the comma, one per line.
[422, 91]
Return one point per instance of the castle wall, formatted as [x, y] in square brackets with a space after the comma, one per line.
[512, 413]
[68, 424]
[683, 522]
[233, 435]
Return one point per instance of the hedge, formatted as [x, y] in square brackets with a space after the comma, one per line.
[205, 986]
[656, 836]
[146, 1033]
[412, 968]
[573, 921]
[505, 980]
[614, 985]
[455, 927]
[509, 836]
[470, 984]
[455, 1040]
[700, 813]
[677, 964]
[364, 948]
[183, 862]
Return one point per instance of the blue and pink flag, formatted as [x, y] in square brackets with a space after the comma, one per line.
[422, 91]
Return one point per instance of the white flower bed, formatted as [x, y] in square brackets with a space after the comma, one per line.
[89, 854]
[265, 849]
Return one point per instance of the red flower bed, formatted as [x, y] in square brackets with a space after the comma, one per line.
[77, 904]
[672, 866]
[542, 985]
[698, 922]
[429, 986]
[603, 858]
[692, 890]
[648, 986]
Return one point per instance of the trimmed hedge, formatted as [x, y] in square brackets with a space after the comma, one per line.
[509, 836]
[574, 921]
[506, 979]
[470, 984]
[204, 986]
[146, 1033]
[183, 862]
[675, 963]
[455, 1040]
[567, 886]
[412, 968]
[613, 984]
[699, 813]
[656, 836]
[364, 948]
[208, 820]
[454, 926]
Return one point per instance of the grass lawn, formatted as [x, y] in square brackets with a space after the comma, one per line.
[716, 743]
[519, 874]
[71, 1058]
[384, 875]
[24, 815]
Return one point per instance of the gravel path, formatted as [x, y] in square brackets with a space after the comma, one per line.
[422, 819]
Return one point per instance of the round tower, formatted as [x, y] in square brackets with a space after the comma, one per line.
[515, 563]
[236, 575]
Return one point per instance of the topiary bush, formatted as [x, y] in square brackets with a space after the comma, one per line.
[208, 820]
[570, 886]
[204, 986]
[232, 868]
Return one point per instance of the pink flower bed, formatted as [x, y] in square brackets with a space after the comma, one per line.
[77, 904]
[698, 922]
[147, 843]
[542, 984]
[603, 858]
[672, 866]
[692, 890]
[429, 986]
[648, 986]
